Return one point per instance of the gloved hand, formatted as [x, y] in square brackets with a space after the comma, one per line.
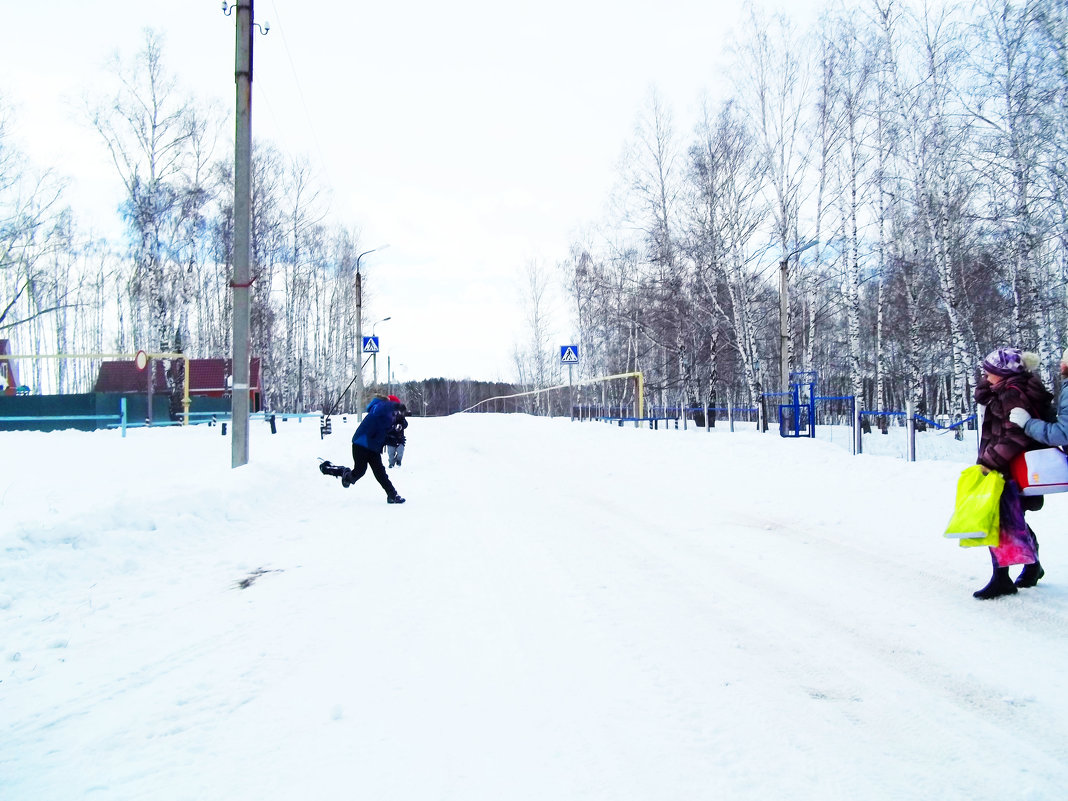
[1019, 416]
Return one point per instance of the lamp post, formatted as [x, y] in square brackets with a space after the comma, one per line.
[359, 331]
[389, 374]
[374, 356]
[784, 312]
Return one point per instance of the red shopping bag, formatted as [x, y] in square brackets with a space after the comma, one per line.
[1041, 472]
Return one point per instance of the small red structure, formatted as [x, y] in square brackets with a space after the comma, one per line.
[212, 378]
[208, 378]
[124, 377]
[9, 374]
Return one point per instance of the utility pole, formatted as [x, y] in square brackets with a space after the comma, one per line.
[374, 356]
[359, 331]
[359, 339]
[784, 324]
[241, 281]
[784, 312]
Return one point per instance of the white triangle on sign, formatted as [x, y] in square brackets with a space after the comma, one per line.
[371, 346]
[569, 356]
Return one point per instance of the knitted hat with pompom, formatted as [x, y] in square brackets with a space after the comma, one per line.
[1007, 361]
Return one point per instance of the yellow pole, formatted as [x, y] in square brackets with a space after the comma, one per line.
[70, 356]
[185, 380]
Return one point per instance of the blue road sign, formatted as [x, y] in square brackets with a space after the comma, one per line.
[370, 344]
[569, 354]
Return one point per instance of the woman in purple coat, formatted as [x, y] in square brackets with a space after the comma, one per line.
[1008, 383]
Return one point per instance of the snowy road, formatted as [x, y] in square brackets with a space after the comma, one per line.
[561, 611]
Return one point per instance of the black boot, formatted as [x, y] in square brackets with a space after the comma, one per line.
[1030, 575]
[394, 499]
[1000, 584]
[331, 469]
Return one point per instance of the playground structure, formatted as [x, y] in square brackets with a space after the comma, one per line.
[798, 417]
[656, 415]
[799, 414]
[799, 411]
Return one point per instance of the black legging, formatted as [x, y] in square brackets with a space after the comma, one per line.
[362, 457]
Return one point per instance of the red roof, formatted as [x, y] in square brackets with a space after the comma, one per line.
[212, 375]
[125, 377]
[206, 376]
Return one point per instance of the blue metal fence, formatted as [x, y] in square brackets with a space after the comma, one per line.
[114, 420]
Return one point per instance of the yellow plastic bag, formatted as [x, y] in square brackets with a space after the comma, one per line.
[976, 518]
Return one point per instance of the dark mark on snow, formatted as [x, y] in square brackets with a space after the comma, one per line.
[248, 580]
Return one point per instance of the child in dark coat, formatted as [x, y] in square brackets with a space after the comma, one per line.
[1048, 433]
[395, 439]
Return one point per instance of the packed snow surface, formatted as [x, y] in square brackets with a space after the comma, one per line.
[562, 610]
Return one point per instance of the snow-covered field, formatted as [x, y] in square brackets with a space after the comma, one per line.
[560, 611]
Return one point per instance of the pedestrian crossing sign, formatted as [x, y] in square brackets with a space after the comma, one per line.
[569, 354]
[370, 344]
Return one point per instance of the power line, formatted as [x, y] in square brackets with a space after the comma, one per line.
[281, 28]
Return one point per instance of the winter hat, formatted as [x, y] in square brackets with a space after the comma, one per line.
[393, 398]
[1007, 361]
[1064, 357]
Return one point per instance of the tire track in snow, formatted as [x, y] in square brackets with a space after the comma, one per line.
[541, 620]
[633, 683]
[804, 612]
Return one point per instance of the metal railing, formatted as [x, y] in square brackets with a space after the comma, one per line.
[120, 419]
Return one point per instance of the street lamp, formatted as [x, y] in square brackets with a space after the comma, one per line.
[389, 374]
[374, 356]
[377, 322]
[784, 312]
[359, 331]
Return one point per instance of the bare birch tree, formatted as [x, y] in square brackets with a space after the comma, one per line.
[147, 126]
[741, 211]
[535, 357]
[852, 87]
[1015, 107]
[774, 92]
[652, 171]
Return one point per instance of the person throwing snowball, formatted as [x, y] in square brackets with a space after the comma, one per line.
[367, 444]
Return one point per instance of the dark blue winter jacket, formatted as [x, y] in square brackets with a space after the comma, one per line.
[371, 432]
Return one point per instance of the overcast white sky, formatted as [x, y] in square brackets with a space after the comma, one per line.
[471, 136]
